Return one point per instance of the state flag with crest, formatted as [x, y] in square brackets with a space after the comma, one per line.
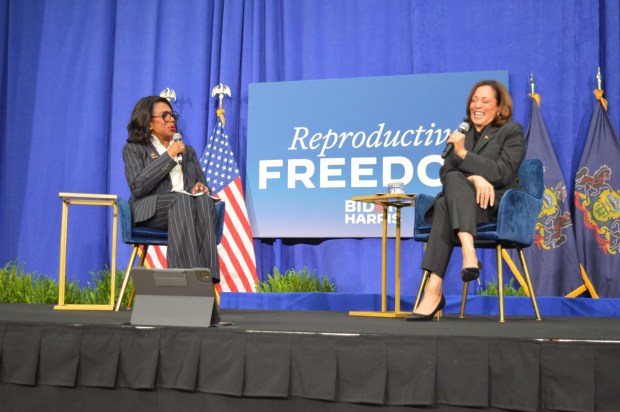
[597, 204]
[552, 258]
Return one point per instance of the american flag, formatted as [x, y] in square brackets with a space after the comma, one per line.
[236, 250]
[155, 257]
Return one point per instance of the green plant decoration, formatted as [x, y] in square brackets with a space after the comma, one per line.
[293, 281]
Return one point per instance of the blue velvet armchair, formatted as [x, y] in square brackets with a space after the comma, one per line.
[143, 236]
[514, 229]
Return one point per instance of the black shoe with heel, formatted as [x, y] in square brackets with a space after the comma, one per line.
[469, 274]
[419, 317]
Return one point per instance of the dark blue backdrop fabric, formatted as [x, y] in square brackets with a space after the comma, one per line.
[72, 70]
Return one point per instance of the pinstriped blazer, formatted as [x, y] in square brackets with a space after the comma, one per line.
[148, 176]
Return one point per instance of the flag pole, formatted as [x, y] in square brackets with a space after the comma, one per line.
[599, 91]
[221, 90]
[533, 93]
[236, 250]
[168, 94]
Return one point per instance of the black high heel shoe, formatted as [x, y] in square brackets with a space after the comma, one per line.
[469, 274]
[438, 310]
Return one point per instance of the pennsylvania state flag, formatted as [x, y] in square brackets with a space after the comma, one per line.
[597, 205]
[552, 258]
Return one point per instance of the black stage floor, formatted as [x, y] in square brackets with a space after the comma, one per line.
[550, 328]
[306, 360]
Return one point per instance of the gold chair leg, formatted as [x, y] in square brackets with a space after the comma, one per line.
[131, 297]
[425, 277]
[464, 299]
[140, 264]
[500, 283]
[528, 280]
[132, 259]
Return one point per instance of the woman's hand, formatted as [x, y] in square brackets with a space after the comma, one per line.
[200, 188]
[485, 193]
[458, 140]
[176, 148]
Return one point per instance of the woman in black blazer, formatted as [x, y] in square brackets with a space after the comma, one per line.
[162, 175]
[480, 168]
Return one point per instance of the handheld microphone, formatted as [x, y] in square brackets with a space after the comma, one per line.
[463, 128]
[177, 137]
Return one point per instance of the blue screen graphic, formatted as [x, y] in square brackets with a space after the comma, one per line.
[313, 145]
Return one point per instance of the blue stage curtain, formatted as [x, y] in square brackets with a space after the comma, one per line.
[72, 71]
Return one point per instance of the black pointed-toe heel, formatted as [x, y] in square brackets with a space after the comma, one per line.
[417, 317]
[469, 274]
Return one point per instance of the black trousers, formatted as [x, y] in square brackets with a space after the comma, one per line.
[190, 222]
[455, 211]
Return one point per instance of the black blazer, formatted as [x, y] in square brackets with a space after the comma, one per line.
[147, 175]
[496, 157]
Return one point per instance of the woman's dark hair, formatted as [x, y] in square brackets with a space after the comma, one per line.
[139, 125]
[504, 102]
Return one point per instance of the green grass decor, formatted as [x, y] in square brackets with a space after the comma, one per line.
[17, 286]
[293, 281]
[491, 289]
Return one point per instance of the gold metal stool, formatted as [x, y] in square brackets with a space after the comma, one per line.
[89, 200]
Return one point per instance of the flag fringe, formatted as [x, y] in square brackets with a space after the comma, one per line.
[220, 114]
[599, 96]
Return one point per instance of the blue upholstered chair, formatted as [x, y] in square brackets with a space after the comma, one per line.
[514, 229]
[143, 236]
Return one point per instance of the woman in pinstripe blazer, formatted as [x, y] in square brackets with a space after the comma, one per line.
[168, 189]
[481, 167]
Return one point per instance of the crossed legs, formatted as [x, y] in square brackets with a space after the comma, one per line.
[434, 286]
[455, 213]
